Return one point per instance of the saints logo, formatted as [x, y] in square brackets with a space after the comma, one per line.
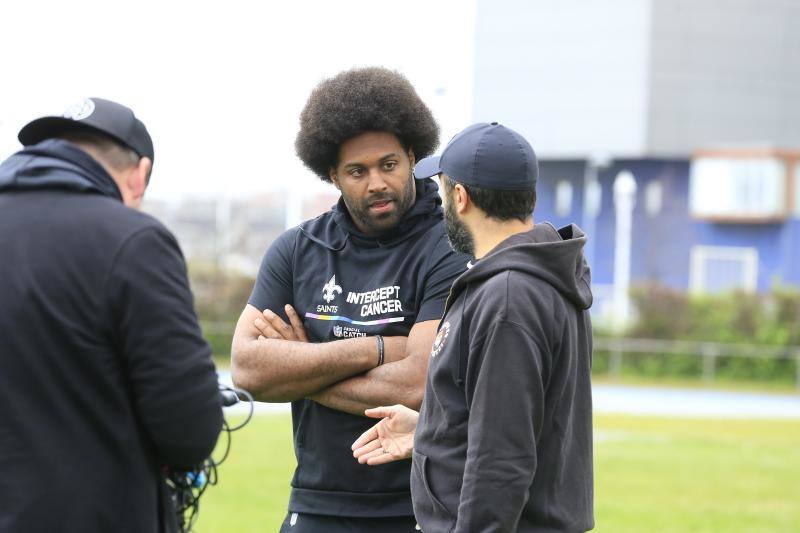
[331, 289]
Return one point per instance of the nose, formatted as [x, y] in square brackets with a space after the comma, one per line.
[376, 182]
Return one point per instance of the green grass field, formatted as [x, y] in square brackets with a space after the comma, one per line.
[651, 474]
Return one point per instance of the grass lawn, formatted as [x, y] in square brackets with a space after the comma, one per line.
[651, 474]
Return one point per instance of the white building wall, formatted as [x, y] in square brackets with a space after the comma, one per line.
[572, 76]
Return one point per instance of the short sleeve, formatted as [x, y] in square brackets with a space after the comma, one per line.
[273, 287]
[444, 266]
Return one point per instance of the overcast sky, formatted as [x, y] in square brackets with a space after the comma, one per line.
[220, 85]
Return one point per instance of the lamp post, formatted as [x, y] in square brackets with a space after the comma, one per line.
[624, 202]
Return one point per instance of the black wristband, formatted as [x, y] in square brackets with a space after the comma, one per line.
[380, 349]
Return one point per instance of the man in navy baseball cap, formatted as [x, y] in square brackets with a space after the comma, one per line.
[508, 397]
[497, 169]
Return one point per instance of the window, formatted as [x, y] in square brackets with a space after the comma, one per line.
[653, 194]
[723, 268]
[563, 198]
[593, 199]
[738, 188]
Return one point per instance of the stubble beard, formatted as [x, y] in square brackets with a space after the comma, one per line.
[382, 223]
[458, 233]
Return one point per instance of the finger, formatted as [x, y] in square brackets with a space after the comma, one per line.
[368, 435]
[297, 324]
[262, 338]
[377, 452]
[266, 330]
[382, 459]
[366, 449]
[379, 412]
[279, 326]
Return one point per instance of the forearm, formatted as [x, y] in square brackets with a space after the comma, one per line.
[280, 371]
[401, 382]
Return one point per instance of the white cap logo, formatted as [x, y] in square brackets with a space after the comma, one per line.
[80, 110]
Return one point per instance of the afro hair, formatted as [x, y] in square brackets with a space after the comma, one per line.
[357, 101]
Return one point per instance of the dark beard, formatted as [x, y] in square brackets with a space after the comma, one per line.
[376, 225]
[457, 232]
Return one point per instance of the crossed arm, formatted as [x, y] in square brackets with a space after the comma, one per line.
[274, 361]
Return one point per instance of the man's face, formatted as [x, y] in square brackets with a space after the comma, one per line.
[375, 179]
[458, 233]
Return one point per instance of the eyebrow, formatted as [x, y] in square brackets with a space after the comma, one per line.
[381, 160]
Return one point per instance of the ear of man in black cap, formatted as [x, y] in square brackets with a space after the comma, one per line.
[106, 379]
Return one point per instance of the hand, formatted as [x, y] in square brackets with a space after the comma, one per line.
[389, 440]
[271, 326]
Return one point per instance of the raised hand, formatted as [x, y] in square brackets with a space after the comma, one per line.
[389, 440]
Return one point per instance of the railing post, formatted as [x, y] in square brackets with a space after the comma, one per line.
[797, 370]
[709, 364]
[615, 363]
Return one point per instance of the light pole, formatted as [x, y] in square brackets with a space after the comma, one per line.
[624, 202]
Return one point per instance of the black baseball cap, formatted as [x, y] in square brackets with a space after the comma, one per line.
[485, 155]
[93, 114]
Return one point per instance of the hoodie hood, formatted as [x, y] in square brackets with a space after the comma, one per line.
[332, 230]
[56, 164]
[555, 256]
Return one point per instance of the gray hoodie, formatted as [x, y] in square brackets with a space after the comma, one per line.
[504, 440]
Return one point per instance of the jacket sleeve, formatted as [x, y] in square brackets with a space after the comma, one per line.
[172, 377]
[505, 394]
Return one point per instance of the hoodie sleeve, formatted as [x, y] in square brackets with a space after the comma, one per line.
[505, 394]
[171, 374]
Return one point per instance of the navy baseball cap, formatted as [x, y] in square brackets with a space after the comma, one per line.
[93, 114]
[488, 156]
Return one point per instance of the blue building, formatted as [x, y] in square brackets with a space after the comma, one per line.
[722, 220]
[665, 90]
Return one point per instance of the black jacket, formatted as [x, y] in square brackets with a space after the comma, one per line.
[346, 284]
[504, 440]
[104, 375]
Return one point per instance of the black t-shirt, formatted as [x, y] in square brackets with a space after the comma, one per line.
[344, 284]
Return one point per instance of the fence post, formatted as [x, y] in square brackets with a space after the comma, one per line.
[797, 370]
[709, 364]
[615, 364]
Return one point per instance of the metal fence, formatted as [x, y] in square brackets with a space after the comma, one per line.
[618, 347]
[710, 352]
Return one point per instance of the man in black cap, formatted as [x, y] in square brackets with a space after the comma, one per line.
[345, 307]
[106, 380]
[504, 438]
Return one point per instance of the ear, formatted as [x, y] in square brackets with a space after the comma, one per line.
[411, 158]
[136, 180]
[461, 199]
[334, 178]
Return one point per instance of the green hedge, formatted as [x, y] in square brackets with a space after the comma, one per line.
[770, 319]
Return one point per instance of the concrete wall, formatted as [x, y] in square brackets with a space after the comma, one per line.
[723, 72]
[570, 75]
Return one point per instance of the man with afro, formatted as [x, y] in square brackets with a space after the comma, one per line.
[346, 306]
